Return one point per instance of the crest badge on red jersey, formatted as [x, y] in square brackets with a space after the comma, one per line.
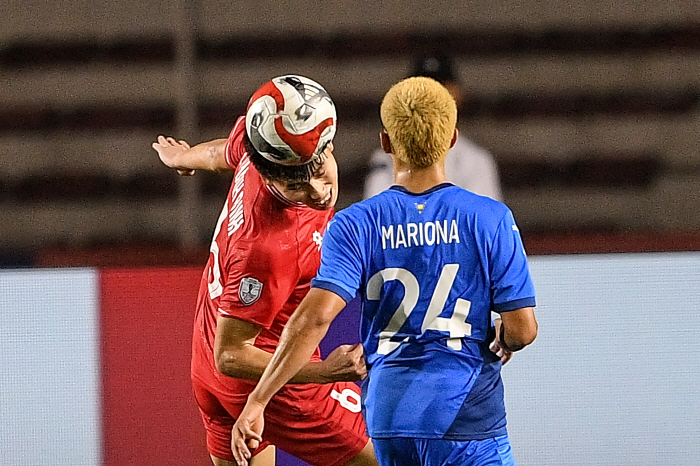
[250, 290]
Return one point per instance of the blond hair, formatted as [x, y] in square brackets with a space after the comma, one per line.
[420, 116]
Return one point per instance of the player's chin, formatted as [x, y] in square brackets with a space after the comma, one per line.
[325, 204]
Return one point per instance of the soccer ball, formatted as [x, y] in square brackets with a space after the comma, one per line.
[290, 120]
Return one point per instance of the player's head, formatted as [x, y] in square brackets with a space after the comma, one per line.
[290, 125]
[441, 68]
[419, 116]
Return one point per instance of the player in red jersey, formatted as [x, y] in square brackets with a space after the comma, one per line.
[265, 251]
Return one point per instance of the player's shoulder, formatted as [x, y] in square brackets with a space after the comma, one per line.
[357, 216]
[355, 211]
[488, 211]
[235, 147]
[262, 240]
[253, 212]
[238, 129]
[479, 200]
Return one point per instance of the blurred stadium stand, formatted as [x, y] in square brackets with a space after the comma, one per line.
[592, 111]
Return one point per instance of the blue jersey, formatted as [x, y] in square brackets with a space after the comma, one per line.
[429, 269]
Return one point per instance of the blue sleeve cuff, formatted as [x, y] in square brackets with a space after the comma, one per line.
[332, 287]
[513, 305]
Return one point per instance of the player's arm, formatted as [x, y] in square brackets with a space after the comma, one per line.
[302, 334]
[518, 329]
[236, 356]
[513, 293]
[179, 155]
[303, 331]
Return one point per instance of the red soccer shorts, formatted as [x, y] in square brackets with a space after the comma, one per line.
[319, 424]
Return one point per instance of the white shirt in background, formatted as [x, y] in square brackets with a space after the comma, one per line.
[466, 165]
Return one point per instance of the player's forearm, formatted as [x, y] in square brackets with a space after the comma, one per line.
[518, 329]
[205, 156]
[511, 343]
[298, 342]
[250, 362]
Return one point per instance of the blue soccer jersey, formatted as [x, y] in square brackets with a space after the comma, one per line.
[429, 269]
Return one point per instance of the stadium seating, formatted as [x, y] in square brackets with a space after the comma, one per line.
[591, 112]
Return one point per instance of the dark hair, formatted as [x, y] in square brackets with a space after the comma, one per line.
[277, 172]
[437, 66]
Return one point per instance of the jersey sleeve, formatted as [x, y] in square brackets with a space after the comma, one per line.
[511, 284]
[257, 283]
[341, 258]
[235, 149]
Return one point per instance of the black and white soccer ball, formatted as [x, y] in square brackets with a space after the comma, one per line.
[290, 120]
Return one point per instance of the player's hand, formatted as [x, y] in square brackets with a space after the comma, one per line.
[345, 363]
[246, 434]
[496, 346]
[168, 150]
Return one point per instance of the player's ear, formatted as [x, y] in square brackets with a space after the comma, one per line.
[454, 138]
[384, 141]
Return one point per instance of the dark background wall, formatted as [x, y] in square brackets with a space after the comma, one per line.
[590, 109]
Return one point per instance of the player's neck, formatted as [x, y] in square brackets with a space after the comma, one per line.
[417, 180]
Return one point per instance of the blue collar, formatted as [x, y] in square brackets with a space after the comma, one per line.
[402, 189]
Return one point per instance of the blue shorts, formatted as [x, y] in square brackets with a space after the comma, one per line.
[439, 452]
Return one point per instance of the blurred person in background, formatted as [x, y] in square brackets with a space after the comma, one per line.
[467, 165]
[429, 261]
[265, 251]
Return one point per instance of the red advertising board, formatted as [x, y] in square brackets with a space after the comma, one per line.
[149, 414]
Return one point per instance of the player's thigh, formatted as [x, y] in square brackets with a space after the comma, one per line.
[267, 457]
[503, 452]
[489, 452]
[439, 452]
[365, 458]
[320, 424]
[396, 452]
[217, 416]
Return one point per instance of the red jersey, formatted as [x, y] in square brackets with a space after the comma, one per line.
[264, 253]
